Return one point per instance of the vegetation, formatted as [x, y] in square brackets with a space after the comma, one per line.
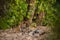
[15, 10]
[33, 12]
[39, 12]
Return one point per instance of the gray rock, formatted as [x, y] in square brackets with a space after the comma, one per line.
[36, 32]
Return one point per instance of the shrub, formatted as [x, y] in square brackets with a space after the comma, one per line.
[15, 11]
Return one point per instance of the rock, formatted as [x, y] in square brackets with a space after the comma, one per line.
[36, 32]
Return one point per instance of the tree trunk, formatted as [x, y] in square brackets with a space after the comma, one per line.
[31, 10]
[41, 17]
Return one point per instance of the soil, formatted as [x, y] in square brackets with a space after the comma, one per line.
[38, 33]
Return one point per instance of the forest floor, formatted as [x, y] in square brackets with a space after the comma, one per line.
[39, 33]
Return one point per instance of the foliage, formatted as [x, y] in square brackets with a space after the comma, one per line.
[14, 13]
[56, 27]
[48, 8]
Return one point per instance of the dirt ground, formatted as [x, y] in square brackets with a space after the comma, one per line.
[39, 33]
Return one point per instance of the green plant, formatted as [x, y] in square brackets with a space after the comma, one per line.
[15, 13]
[48, 7]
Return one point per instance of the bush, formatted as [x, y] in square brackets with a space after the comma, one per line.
[15, 11]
